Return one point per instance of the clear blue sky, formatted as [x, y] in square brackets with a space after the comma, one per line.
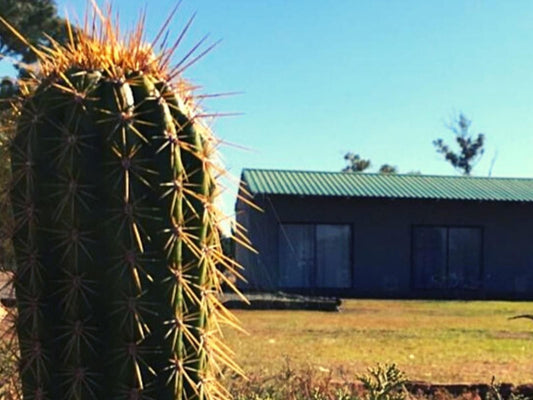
[379, 78]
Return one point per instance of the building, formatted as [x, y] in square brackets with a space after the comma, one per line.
[395, 236]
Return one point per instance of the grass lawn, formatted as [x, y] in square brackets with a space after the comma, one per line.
[436, 341]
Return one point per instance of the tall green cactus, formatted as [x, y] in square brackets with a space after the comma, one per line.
[116, 228]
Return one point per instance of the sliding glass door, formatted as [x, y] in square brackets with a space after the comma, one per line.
[296, 255]
[447, 257]
[314, 255]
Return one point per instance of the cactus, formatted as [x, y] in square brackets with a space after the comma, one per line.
[116, 231]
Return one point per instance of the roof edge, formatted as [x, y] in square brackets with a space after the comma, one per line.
[388, 175]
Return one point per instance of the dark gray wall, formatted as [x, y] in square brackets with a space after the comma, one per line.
[381, 235]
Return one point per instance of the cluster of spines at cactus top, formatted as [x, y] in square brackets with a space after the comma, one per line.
[116, 230]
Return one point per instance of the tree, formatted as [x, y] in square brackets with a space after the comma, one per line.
[470, 147]
[355, 163]
[36, 20]
[388, 169]
[358, 164]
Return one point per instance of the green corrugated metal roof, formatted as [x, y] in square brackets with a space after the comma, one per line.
[315, 183]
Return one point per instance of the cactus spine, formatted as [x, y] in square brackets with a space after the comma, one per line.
[116, 228]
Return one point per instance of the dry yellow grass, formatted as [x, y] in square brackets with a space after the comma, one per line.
[437, 341]
[3, 312]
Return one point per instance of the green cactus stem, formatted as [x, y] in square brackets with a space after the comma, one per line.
[116, 227]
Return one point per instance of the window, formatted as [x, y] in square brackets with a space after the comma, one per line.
[446, 257]
[314, 256]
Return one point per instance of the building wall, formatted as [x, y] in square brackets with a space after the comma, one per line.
[261, 266]
[381, 242]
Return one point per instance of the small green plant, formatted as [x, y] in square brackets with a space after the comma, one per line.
[384, 382]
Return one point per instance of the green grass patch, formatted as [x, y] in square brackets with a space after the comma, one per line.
[435, 341]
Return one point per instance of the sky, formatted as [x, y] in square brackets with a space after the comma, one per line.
[317, 79]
